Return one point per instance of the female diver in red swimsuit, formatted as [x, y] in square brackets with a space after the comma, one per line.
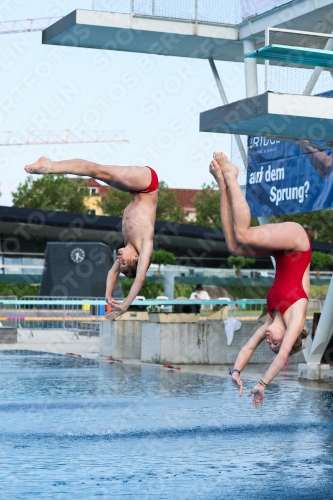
[287, 299]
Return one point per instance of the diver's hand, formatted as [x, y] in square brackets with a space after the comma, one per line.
[112, 302]
[117, 309]
[258, 392]
[237, 381]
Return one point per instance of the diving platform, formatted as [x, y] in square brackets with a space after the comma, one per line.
[145, 35]
[288, 55]
[276, 116]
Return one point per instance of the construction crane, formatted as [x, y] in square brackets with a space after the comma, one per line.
[24, 25]
[35, 137]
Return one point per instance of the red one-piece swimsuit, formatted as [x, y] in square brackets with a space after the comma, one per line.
[287, 287]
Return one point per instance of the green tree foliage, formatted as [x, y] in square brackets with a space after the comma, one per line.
[152, 289]
[183, 290]
[318, 224]
[168, 208]
[52, 192]
[18, 289]
[162, 257]
[320, 260]
[114, 202]
[238, 261]
[207, 206]
[318, 291]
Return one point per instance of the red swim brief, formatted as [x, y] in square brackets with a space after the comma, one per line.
[153, 186]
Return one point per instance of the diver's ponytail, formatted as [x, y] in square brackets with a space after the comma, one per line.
[300, 343]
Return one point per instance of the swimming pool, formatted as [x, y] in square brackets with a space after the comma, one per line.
[75, 428]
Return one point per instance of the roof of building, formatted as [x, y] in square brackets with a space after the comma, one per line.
[185, 197]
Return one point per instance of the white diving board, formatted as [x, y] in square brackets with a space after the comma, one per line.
[123, 32]
[277, 116]
[288, 55]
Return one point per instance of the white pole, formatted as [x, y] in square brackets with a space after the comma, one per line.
[225, 101]
[324, 329]
[250, 66]
[132, 13]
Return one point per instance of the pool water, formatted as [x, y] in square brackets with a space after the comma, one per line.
[75, 428]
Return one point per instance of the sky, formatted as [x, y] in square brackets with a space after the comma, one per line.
[155, 99]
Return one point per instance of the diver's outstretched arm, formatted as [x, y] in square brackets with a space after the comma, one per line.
[246, 352]
[294, 328]
[119, 308]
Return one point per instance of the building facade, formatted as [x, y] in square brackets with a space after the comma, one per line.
[185, 198]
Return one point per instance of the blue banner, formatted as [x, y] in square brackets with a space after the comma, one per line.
[284, 178]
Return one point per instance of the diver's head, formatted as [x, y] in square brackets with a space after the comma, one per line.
[128, 260]
[275, 333]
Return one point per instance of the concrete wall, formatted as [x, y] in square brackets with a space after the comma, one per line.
[196, 343]
[8, 335]
[179, 343]
[200, 343]
[120, 339]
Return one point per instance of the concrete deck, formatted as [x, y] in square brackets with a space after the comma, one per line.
[55, 342]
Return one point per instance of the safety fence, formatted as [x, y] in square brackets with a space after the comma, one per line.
[84, 315]
[212, 11]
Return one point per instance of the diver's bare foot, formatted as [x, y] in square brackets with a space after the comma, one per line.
[41, 166]
[216, 172]
[226, 166]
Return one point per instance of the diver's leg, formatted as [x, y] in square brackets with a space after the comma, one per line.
[280, 236]
[133, 178]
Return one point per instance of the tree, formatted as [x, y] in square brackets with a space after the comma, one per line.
[320, 260]
[168, 208]
[207, 206]
[318, 224]
[238, 261]
[162, 257]
[52, 192]
[114, 202]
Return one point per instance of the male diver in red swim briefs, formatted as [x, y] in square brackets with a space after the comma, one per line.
[138, 219]
[287, 299]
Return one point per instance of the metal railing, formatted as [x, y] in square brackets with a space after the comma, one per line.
[83, 316]
[46, 313]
